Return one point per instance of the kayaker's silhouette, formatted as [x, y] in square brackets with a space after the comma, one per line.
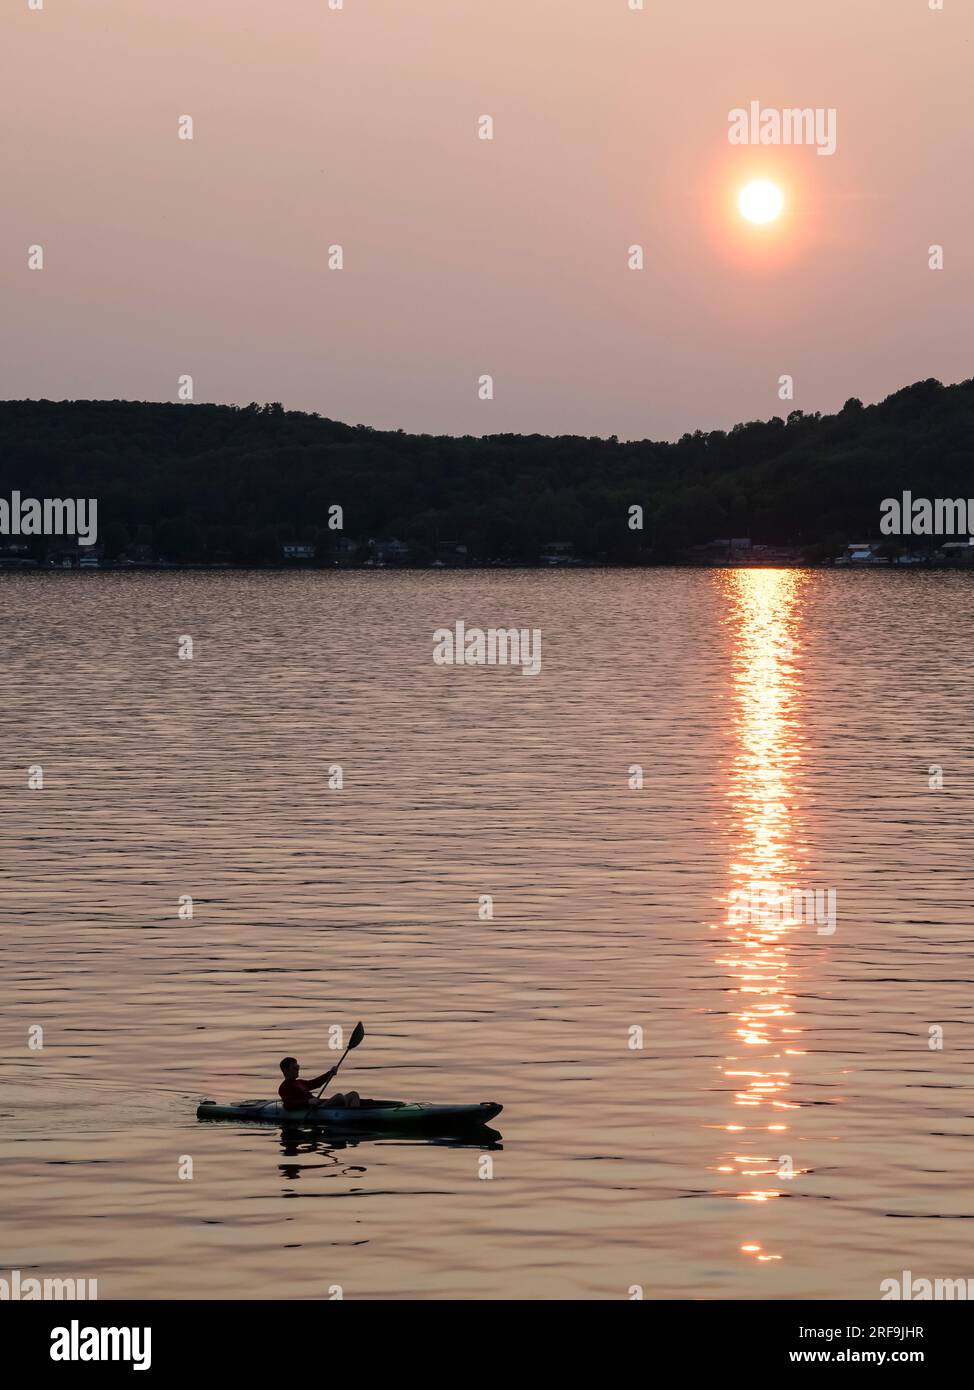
[298, 1094]
[349, 1111]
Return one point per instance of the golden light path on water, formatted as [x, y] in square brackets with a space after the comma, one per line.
[759, 921]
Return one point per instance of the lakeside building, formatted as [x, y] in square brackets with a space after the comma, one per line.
[387, 551]
[451, 555]
[559, 553]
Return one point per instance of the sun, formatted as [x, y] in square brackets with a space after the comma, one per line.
[761, 201]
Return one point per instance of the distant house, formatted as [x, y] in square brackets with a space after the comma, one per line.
[773, 556]
[16, 556]
[863, 553]
[343, 550]
[299, 554]
[957, 552]
[450, 554]
[558, 553]
[387, 551]
[68, 557]
[721, 550]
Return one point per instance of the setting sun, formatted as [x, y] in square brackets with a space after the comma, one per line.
[761, 201]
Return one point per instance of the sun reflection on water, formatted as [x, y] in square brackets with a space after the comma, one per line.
[758, 923]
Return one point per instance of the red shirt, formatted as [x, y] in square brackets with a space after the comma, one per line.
[296, 1095]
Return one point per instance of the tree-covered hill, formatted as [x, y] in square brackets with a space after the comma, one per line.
[210, 482]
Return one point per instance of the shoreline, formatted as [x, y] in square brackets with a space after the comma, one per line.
[36, 567]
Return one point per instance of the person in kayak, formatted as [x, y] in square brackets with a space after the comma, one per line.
[298, 1094]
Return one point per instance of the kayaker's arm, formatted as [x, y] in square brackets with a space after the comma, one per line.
[322, 1080]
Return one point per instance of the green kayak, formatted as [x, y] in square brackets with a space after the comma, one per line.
[385, 1115]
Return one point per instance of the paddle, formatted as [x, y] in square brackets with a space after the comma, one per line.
[358, 1033]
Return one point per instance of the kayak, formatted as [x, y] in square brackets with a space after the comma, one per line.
[370, 1115]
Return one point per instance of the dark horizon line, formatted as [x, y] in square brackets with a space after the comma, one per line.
[277, 408]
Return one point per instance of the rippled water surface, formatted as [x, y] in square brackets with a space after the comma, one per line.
[700, 1098]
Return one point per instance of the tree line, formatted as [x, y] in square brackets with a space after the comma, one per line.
[214, 483]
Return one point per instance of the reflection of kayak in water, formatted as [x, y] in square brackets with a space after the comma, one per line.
[371, 1115]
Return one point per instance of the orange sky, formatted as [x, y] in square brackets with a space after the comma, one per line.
[464, 257]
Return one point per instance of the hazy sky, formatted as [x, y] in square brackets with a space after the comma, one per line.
[463, 256]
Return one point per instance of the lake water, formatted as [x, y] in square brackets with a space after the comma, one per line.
[784, 1123]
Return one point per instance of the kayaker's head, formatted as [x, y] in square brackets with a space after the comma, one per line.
[290, 1068]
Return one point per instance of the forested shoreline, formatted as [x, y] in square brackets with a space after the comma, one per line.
[212, 484]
